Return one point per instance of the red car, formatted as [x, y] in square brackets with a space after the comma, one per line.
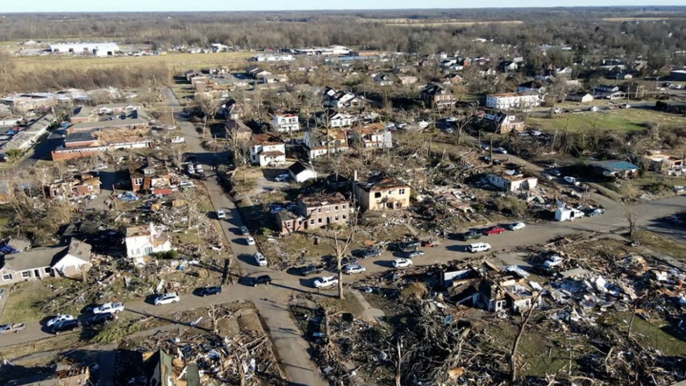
[494, 231]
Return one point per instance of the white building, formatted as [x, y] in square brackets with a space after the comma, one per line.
[301, 172]
[266, 150]
[272, 58]
[144, 240]
[510, 101]
[95, 49]
[512, 183]
[322, 143]
[285, 122]
[334, 119]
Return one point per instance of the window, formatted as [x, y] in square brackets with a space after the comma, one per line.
[344, 217]
[7, 277]
[336, 218]
[377, 195]
[319, 220]
[148, 250]
[320, 210]
[401, 191]
[312, 222]
[138, 181]
[328, 209]
[26, 274]
[90, 188]
[288, 224]
[336, 208]
[48, 269]
[344, 206]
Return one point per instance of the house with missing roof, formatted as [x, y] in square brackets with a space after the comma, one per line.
[267, 149]
[615, 168]
[512, 182]
[145, 240]
[40, 263]
[160, 370]
[381, 193]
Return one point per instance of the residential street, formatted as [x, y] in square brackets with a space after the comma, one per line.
[272, 301]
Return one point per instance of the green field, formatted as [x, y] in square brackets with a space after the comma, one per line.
[623, 120]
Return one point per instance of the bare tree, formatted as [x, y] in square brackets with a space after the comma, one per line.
[522, 326]
[557, 92]
[340, 248]
[632, 215]
[209, 106]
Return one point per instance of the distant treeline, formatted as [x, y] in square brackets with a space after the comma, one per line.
[583, 27]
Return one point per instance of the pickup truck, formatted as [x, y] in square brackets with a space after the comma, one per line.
[471, 235]
[7, 328]
[109, 308]
[310, 270]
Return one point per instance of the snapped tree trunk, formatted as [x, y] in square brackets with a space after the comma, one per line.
[399, 364]
[340, 277]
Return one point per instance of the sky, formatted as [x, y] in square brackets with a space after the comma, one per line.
[7, 6]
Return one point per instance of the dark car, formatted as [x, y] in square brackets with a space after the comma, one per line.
[471, 235]
[371, 252]
[264, 279]
[210, 291]
[100, 319]
[347, 260]
[65, 325]
[310, 270]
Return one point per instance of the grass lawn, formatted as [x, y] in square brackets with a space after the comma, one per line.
[22, 303]
[661, 244]
[181, 60]
[622, 120]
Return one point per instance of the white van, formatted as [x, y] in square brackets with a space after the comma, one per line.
[478, 247]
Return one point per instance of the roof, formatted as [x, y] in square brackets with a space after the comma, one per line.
[284, 215]
[322, 200]
[106, 124]
[513, 94]
[266, 139]
[46, 256]
[80, 249]
[615, 165]
[79, 137]
[298, 168]
[382, 184]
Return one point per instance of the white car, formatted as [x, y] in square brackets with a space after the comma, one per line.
[186, 184]
[251, 241]
[109, 308]
[569, 180]
[353, 268]
[553, 261]
[402, 263]
[478, 247]
[282, 177]
[517, 226]
[221, 214]
[59, 318]
[260, 259]
[500, 150]
[168, 298]
[326, 281]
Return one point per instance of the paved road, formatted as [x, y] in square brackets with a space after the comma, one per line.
[273, 305]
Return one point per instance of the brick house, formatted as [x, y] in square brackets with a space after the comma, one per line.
[324, 209]
[82, 185]
[436, 95]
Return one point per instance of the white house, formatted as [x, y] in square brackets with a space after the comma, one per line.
[318, 144]
[509, 101]
[512, 183]
[301, 172]
[44, 262]
[285, 122]
[266, 149]
[144, 240]
[373, 136]
[334, 119]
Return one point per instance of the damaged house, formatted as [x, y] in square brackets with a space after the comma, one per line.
[267, 149]
[153, 177]
[372, 136]
[502, 122]
[382, 194]
[314, 211]
[490, 288]
[319, 143]
[82, 185]
[511, 181]
[40, 263]
[145, 240]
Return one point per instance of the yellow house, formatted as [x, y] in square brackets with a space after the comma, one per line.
[382, 194]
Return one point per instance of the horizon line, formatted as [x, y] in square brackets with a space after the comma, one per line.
[346, 9]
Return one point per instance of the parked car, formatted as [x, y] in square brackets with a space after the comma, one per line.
[186, 184]
[216, 290]
[554, 172]
[310, 270]
[221, 214]
[517, 226]
[348, 260]
[100, 319]
[59, 318]
[260, 259]
[353, 268]
[371, 252]
[264, 279]
[168, 298]
[244, 231]
[472, 234]
[15, 328]
[402, 263]
[569, 180]
[326, 281]
[500, 150]
[495, 230]
[414, 254]
[65, 325]
[478, 247]
[109, 308]
[282, 177]
[595, 212]
[250, 241]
